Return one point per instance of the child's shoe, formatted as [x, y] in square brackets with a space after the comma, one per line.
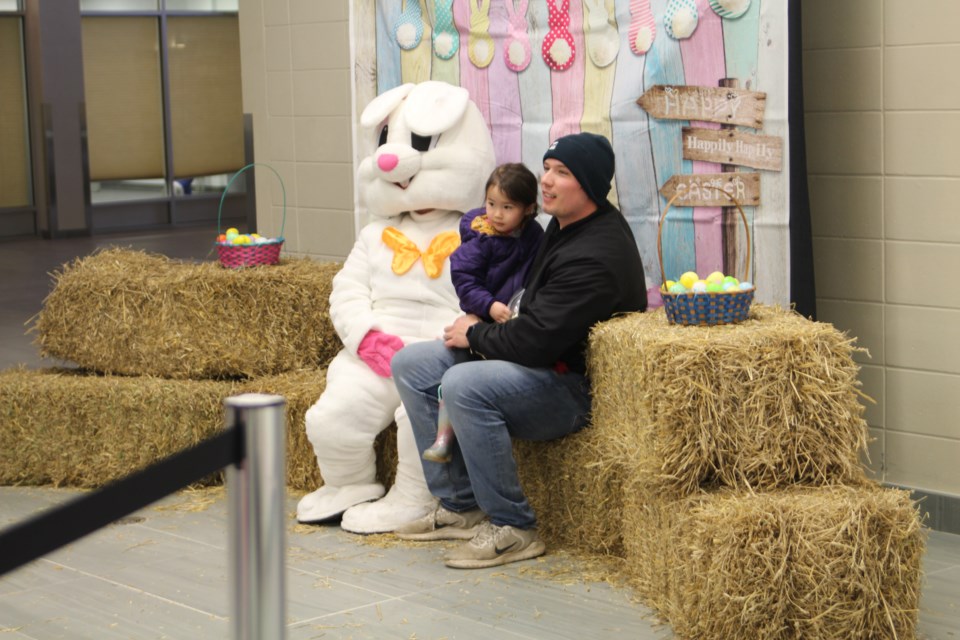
[439, 451]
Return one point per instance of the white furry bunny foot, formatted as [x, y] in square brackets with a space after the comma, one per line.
[327, 502]
[387, 514]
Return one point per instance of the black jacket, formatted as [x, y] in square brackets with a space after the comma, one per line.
[582, 275]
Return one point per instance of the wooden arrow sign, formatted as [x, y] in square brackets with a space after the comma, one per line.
[707, 104]
[707, 189]
[729, 146]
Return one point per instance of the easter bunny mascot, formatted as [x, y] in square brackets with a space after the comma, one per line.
[433, 159]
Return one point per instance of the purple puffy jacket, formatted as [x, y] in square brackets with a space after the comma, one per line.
[487, 268]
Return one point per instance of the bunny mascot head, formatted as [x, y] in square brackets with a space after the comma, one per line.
[432, 160]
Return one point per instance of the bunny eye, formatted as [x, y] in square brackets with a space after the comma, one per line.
[383, 136]
[422, 143]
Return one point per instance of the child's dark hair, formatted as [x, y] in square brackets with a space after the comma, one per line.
[516, 182]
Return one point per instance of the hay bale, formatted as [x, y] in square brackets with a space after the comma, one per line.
[70, 428]
[578, 499]
[129, 312]
[766, 403]
[73, 428]
[301, 389]
[800, 562]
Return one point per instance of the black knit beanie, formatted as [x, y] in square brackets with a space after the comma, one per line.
[590, 158]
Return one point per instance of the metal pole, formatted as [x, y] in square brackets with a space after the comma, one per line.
[256, 487]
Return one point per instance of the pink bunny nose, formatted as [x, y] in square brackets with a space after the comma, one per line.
[387, 161]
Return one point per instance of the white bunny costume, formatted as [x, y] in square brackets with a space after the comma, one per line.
[431, 165]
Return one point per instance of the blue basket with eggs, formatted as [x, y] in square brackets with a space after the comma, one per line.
[707, 308]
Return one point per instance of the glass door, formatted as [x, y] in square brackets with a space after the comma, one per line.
[165, 125]
[17, 211]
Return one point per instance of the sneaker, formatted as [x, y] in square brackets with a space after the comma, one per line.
[493, 546]
[443, 524]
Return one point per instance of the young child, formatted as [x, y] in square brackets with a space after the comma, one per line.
[497, 245]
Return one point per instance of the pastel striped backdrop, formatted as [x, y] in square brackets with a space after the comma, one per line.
[525, 110]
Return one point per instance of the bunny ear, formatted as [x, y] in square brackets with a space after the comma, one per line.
[433, 107]
[383, 105]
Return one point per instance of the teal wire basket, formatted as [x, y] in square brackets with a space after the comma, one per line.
[236, 256]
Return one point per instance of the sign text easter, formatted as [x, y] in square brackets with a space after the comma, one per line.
[712, 189]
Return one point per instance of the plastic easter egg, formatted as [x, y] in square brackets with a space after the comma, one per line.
[232, 231]
[746, 285]
[666, 285]
[678, 288]
[730, 287]
[716, 276]
[222, 238]
[689, 278]
[731, 280]
[700, 286]
[714, 287]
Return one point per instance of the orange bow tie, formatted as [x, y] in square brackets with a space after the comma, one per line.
[406, 253]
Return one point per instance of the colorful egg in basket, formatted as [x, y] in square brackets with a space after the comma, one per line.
[706, 308]
[242, 250]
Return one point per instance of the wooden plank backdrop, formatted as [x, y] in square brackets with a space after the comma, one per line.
[633, 147]
[742, 47]
[771, 236]
[704, 65]
[568, 87]
[598, 94]
[665, 66]
[388, 53]
[442, 70]
[472, 78]
[415, 63]
[525, 110]
[506, 118]
[535, 92]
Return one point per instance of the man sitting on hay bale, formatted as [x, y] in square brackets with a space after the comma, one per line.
[433, 157]
[528, 380]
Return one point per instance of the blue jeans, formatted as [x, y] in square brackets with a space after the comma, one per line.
[489, 402]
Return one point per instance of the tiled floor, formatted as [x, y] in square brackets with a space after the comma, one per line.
[163, 572]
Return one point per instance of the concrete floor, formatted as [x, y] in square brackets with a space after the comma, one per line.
[163, 573]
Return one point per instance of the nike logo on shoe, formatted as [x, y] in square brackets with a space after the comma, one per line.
[500, 551]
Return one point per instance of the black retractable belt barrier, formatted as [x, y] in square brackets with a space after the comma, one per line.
[53, 529]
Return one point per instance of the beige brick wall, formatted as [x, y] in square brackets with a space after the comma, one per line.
[883, 143]
[296, 83]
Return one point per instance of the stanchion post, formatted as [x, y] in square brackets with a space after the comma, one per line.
[256, 488]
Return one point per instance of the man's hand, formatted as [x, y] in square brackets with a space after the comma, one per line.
[500, 312]
[455, 336]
